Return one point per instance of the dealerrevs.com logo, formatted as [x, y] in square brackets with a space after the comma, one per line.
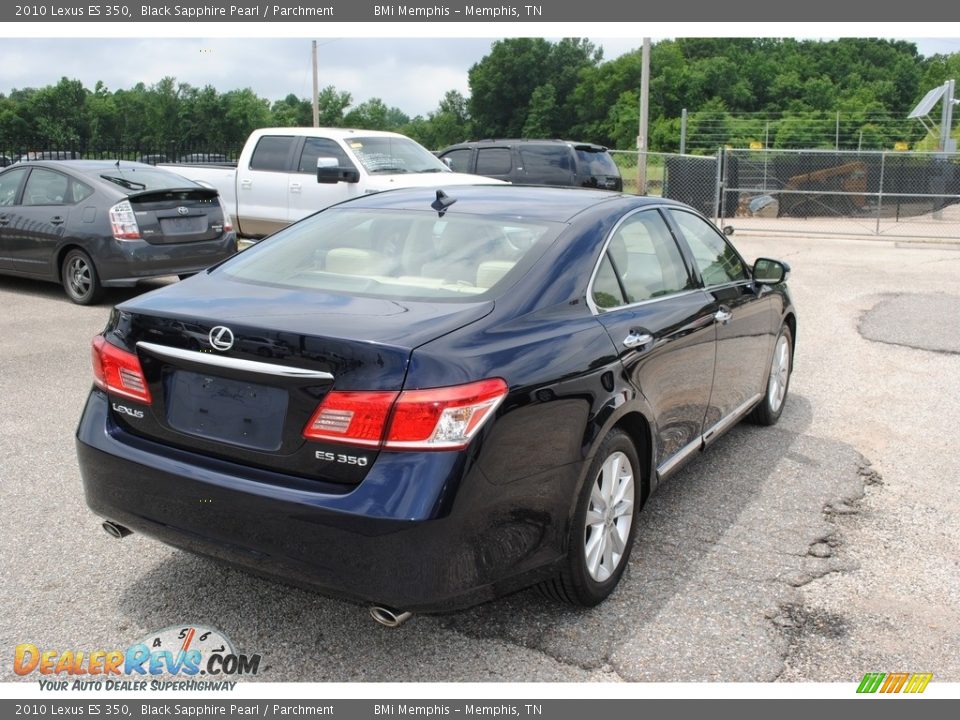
[891, 683]
[180, 657]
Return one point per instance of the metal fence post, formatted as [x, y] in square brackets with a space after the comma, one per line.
[718, 204]
[883, 163]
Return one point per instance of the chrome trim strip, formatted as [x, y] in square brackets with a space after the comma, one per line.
[730, 419]
[234, 363]
[679, 456]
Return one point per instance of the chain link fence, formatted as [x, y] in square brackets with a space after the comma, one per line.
[895, 194]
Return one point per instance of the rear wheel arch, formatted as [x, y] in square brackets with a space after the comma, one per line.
[62, 253]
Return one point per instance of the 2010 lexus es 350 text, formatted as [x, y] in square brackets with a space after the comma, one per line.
[423, 399]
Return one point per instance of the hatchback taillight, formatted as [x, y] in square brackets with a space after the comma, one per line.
[123, 221]
[118, 371]
[227, 223]
[444, 418]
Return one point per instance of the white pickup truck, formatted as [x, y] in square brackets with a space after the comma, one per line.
[285, 174]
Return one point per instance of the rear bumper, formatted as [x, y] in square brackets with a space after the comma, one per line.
[128, 262]
[422, 532]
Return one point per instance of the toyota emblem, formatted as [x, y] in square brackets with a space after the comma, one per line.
[183, 211]
[221, 338]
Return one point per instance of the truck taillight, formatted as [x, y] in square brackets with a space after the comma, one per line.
[123, 221]
[444, 418]
[118, 371]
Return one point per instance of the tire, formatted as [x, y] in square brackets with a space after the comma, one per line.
[79, 278]
[768, 411]
[594, 565]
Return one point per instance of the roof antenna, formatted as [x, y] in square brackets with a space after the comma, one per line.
[442, 202]
[118, 163]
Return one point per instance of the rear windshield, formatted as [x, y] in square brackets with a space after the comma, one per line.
[397, 254]
[597, 163]
[394, 155]
[134, 180]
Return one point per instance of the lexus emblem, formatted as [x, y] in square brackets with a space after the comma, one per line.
[182, 210]
[221, 338]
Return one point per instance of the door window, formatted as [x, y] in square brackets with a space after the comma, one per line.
[547, 164]
[10, 184]
[493, 161]
[314, 147]
[46, 187]
[271, 153]
[458, 160]
[716, 259]
[645, 259]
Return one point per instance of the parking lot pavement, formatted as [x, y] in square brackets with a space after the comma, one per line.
[819, 549]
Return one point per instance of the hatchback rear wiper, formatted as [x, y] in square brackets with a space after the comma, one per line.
[123, 182]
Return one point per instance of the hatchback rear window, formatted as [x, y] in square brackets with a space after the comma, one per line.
[398, 255]
[135, 180]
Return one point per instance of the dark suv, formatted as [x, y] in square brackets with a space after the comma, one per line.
[536, 162]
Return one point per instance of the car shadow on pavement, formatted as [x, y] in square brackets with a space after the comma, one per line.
[718, 552]
[53, 291]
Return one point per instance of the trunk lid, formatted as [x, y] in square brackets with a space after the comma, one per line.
[250, 402]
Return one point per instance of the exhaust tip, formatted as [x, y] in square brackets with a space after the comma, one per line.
[388, 617]
[116, 531]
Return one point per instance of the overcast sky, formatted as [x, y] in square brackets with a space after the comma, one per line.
[411, 74]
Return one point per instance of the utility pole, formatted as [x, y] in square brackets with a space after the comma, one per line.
[316, 89]
[683, 131]
[644, 115]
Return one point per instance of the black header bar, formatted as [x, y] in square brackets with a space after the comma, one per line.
[754, 15]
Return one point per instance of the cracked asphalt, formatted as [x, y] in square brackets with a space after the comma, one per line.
[817, 550]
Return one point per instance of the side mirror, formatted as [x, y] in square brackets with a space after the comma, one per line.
[329, 172]
[770, 272]
[728, 230]
[448, 162]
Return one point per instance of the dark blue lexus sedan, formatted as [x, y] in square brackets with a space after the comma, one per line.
[422, 400]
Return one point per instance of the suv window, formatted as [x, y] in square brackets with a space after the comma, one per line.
[595, 162]
[547, 164]
[271, 153]
[493, 161]
[458, 160]
[314, 147]
[718, 262]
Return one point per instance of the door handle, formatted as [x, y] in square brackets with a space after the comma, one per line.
[636, 340]
[56, 220]
[246, 184]
[295, 187]
[4, 219]
[722, 316]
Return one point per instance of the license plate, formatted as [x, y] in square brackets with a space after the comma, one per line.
[183, 225]
[215, 408]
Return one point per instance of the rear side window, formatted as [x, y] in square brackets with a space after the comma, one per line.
[718, 262]
[272, 152]
[314, 148]
[493, 161]
[546, 164]
[458, 160]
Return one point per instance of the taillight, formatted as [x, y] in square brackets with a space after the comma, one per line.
[357, 418]
[227, 223]
[433, 419]
[118, 371]
[123, 221]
